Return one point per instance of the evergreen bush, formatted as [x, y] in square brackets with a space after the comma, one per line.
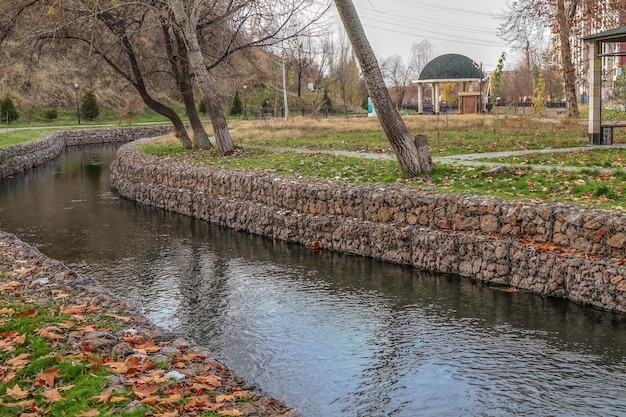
[8, 112]
[51, 114]
[202, 107]
[236, 109]
[89, 106]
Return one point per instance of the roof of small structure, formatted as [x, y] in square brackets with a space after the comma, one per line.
[612, 35]
[450, 67]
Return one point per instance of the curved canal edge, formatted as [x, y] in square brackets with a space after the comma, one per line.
[550, 249]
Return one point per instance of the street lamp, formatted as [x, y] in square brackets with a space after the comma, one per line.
[245, 102]
[76, 88]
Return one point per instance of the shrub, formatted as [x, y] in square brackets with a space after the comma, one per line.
[202, 107]
[89, 106]
[236, 109]
[51, 114]
[8, 112]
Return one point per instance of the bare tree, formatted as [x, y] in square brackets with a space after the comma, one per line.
[529, 20]
[413, 161]
[397, 77]
[421, 54]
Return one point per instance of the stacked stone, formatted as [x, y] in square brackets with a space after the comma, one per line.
[481, 238]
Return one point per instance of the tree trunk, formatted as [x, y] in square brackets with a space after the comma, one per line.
[411, 162]
[187, 25]
[162, 109]
[200, 137]
[569, 72]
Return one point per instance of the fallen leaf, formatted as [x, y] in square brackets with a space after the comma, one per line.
[46, 378]
[172, 399]
[21, 404]
[92, 412]
[17, 393]
[19, 361]
[102, 398]
[144, 391]
[117, 367]
[121, 318]
[174, 413]
[224, 398]
[151, 401]
[29, 313]
[49, 333]
[117, 399]
[212, 380]
[6, 311]
[233, 412]
[52, 395]
[11, 286]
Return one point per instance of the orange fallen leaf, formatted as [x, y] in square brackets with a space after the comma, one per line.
[144, 391]
[117, 367]
[10, 286]
[151, 401]
[121, 318]
[17, 393]
[52, 395]
[46, 378]
[49, 333]
[7, 311]
[19, 361]
[117, 399]
[224, 398]
[102, 398]
[28, 313]
[211, 380]
[172, 399]
[21, 404]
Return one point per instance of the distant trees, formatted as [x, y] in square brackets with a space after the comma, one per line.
[527, 21]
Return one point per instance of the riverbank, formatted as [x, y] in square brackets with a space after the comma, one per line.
[139, 369]
[554, 250]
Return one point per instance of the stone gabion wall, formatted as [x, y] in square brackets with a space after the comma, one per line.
[485, 239]
[31, 154]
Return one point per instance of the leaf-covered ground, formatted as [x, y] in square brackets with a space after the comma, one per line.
[68, 348]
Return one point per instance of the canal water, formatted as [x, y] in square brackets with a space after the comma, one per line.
[330, 334]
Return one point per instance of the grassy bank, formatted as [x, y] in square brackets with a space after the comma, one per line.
[586, 186]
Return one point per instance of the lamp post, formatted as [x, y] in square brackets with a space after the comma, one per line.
[76, 88]
[245, 102]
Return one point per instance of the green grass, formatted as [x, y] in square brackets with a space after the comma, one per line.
[16, 137]
[78, 381]
[588, 187]
[593, 157]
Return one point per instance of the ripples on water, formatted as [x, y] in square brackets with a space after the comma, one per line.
[327, 333]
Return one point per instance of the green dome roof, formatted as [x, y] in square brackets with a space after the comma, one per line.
[450, 67]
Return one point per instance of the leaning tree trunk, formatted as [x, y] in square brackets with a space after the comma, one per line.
[564, 18]
[411, 161]
[187, 24]
[162, 109]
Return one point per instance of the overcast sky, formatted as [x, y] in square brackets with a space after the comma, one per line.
[467, 27]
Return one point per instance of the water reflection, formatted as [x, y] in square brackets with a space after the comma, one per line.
[328, 333]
